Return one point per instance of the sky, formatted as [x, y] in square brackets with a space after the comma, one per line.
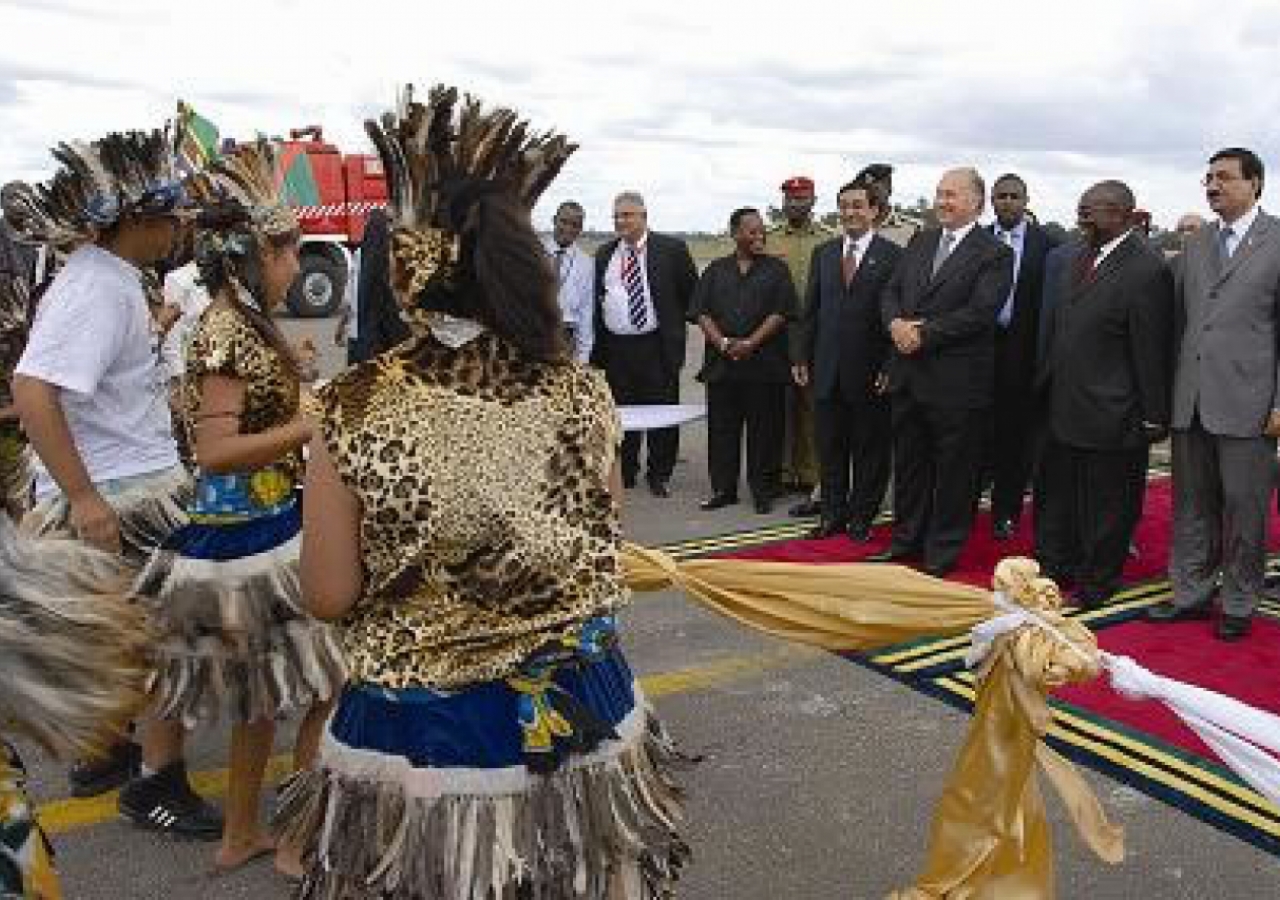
[701, 105]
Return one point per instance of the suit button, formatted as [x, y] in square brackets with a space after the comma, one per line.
[1213, 295]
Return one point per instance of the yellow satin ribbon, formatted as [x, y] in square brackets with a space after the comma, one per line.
[990, 838]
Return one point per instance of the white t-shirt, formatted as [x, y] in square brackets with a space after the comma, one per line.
[93, 338]
[181, 289]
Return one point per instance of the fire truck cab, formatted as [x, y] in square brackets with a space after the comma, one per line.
[332, 194]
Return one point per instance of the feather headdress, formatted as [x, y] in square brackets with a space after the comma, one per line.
[125, 174]
[250, 176]
[440, 157]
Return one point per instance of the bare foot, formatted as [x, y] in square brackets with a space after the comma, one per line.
[289, 862]
[233, 856]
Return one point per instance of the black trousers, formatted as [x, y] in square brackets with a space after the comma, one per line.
[1011, 454]
[854, 450]
[760, 408]
[1088, 504]
[637, 374]
[937, 455]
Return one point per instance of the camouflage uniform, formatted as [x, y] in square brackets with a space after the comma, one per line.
[795, 247]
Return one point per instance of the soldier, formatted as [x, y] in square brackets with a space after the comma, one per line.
[891, 224]
[794, 242]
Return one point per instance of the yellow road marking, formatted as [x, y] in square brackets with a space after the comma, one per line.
[61, 816]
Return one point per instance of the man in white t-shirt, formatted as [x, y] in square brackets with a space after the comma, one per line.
[91, 390]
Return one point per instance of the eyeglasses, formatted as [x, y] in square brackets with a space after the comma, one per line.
[1220, 178]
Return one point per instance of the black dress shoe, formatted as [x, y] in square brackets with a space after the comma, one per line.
[764, 505]
[1232, 628]
[628, 479]
[718, 501]
[658, 487]
[859, 532]
[805, 508]
[1003, 528]
[824, 529]
[1165, 611]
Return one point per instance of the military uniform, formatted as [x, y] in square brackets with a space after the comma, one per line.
[795, 247]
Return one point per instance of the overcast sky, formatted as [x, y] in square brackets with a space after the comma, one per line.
[701, 105]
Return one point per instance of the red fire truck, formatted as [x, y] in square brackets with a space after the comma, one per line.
[333, 194]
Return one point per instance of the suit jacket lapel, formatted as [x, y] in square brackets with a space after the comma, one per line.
[1107, 267]
[959, 253]
[1260, 233]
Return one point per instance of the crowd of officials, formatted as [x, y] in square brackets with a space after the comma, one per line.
[965, 360]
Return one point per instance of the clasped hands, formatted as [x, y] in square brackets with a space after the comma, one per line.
[906, 335]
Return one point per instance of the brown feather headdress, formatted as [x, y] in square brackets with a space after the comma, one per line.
[439, 158]
[248, 175]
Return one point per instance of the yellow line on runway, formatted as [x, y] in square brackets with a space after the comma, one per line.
[61, 816]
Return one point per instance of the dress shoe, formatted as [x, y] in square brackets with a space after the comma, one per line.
[859, 532]
[1003, 528]
[824, 529]
[805, 508]
[658, 487]
[764, 505]
[1232, 628]
[628, 479]
[1165, 611]
[1091, 600]
[718, 501]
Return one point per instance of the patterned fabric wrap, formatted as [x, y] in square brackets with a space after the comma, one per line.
[26, 859]
[226, 601]
[243, 496]
[557, 782]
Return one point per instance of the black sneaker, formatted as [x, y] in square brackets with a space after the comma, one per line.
[116, 767]
[165, 802]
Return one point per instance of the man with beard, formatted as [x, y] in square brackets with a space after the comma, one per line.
[1105, 384]
[743, 303]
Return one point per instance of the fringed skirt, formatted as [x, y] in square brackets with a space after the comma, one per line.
[151, 507]
[233, 640]
[550, 788]
[26, 860]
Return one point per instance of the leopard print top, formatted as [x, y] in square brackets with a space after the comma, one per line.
[487, 525]
[223, 343]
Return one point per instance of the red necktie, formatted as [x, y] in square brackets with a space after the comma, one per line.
[849, 264]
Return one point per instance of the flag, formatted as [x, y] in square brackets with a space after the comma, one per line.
[198, 145]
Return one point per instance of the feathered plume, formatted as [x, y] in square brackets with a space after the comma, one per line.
[72, 649]
[430, 150]
[249, 175]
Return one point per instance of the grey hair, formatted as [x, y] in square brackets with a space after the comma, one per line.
[631, 198]
[976, 184]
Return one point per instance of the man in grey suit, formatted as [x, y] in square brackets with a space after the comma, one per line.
[1226, 412]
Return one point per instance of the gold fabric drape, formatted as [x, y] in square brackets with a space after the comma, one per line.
[990, 838]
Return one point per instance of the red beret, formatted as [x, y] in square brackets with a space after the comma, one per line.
[797, 184]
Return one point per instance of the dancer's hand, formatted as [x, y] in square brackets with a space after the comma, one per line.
[95, 522]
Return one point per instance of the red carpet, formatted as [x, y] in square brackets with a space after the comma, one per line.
[1186, 651]
[982, 553]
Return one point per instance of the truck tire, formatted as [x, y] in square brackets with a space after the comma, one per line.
[319, 288]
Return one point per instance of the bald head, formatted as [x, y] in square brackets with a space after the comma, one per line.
[1105, 212]
[959, 198]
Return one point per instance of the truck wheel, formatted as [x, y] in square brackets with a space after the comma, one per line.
[319, 288]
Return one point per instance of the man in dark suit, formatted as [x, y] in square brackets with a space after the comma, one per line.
[1226, 400]
[839, 348]
[1017, 334]
[1105, 388]
[940, 308]
[643, 284]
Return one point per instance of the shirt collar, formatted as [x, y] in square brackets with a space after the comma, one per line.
[1110, 245]
[640, 244]
[860, 244]
[961, 233]
[1240, 227]
[1017, 232]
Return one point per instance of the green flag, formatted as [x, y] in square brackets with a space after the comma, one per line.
[199, 142]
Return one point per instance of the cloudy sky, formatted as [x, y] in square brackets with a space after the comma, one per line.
[702, 105]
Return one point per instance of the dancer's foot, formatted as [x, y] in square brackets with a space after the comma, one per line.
[289, 863]
[233, 856]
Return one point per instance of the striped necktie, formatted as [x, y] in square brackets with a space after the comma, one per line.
[637, 308]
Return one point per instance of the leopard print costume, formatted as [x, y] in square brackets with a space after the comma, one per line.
[223, 343]
[487, 527]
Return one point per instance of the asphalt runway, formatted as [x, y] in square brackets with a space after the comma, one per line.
[818, 779]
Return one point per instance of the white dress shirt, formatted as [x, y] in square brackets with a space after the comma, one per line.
[859, 245]
[617, 304]
[1239, 228]
[576, 277]
[1013, 238]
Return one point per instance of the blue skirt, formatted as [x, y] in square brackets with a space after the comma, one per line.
[234, 641]
[562, 785]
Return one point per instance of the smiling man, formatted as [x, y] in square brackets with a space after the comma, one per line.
[1226, 412]
[940, 308]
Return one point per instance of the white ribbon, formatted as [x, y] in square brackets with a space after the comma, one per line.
[1240, 735]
